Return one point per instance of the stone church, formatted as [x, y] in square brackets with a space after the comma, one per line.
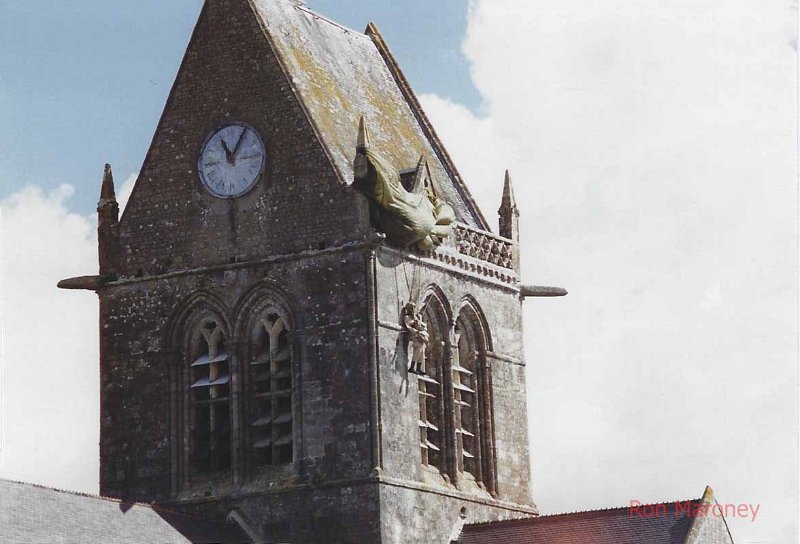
[309, 332]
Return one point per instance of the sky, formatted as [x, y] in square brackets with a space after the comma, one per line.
[653, 149]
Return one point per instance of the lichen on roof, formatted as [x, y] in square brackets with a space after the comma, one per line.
[339, 75]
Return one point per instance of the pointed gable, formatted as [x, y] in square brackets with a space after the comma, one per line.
[231, 74]
[302, 83]
[339, 75]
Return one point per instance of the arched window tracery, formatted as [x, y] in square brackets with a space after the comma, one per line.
[271, 414]
[472, 414]
[455, 399]
[209, 391]
[232, 406]
[432, 409]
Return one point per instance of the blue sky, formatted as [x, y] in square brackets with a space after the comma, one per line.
[83, 83]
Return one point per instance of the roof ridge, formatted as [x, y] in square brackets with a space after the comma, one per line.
[574, 513]
[78, 493]
[425, 123]
[152, 506]
[613, 508]
[301, 100]
[348, 30]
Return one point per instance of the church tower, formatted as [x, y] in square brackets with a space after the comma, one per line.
[297, 238]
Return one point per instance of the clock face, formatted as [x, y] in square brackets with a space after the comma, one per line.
[232, 160]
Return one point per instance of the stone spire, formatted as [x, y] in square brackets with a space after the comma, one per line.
[107, 190]
[363, 135]
[508, 212]
[108, 226]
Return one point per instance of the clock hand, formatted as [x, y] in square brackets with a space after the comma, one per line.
[228, 154]
[238, 143]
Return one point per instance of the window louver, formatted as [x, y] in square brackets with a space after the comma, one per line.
[271, 424]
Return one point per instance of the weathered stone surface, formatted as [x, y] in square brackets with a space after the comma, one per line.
[402, 278]
[300, 240]
[171, 222]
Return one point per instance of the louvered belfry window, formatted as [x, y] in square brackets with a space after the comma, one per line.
[431, 409]
[210, 392]
[466, 400]
[271, 419]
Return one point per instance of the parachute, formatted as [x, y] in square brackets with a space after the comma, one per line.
[415, 218]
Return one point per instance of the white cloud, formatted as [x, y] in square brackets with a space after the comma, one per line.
[654, 160]
[49, 362]
[487, 168]
[652, 147]
[125, 190]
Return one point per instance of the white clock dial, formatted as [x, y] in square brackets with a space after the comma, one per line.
[232, 160]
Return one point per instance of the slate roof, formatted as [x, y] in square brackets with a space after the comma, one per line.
[611, 526]
[341, 74]
[31, 514]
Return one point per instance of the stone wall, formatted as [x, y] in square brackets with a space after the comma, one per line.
[410, 516]
[143, 405]
[331, 513]
[397, 275]
[340, 394]
[302, 238]
[420, 503]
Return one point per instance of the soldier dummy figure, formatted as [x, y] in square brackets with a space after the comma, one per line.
[417, 338]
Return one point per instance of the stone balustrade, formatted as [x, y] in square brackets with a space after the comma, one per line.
[484, 246]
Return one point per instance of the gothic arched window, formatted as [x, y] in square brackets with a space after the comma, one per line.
[466, 400]
[472, 398]
[210, 399]
[432, 427]
[271, 418]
